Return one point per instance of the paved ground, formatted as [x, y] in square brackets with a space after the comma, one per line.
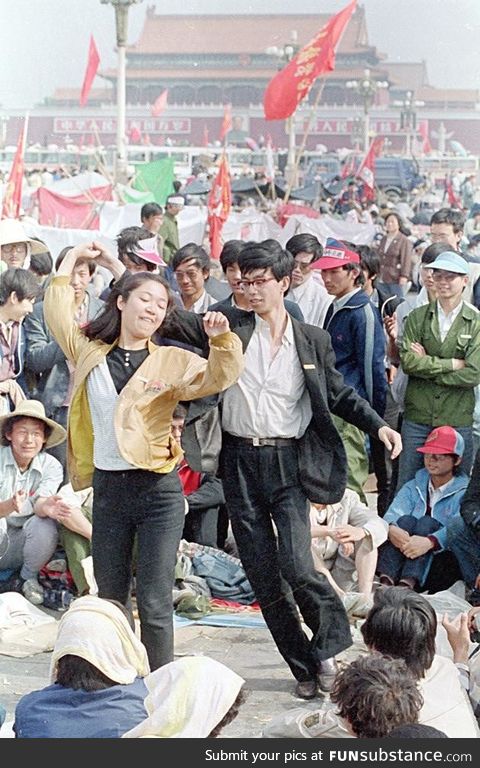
[250, 652]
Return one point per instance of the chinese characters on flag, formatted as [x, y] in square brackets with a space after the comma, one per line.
[219, 204]
[287, 89]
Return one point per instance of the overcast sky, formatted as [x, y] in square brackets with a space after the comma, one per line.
[44, 43]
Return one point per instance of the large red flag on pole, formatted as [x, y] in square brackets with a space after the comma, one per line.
[90, 72]
[366, 171]
[287, 89]
[160, 104]
[219, 204]
[12, 199]
[226, 122]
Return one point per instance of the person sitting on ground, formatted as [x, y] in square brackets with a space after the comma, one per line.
[402, 624]
[29, 506]
[203, 492]
[345, 538]
[374, 694]
[463, 534]
[100, 671]
[420, 512]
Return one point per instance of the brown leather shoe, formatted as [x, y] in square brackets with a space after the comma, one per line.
[306, 689]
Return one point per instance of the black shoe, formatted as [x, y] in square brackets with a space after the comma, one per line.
[306, 689]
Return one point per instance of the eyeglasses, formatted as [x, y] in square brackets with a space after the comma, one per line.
[190, 275]
[258, 283]
[439, 274]
[303, 266]
[15, 248]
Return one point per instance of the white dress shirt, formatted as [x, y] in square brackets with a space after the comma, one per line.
[270, 398]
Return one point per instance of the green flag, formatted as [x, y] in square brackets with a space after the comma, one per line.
[155, 178]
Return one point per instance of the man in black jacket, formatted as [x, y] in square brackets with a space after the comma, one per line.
[280, 450]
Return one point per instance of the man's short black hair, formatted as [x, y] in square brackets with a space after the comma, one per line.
[369, 260]
[230, 253]
[266, 255]
[402, 624]
[432, 251]
[305, 243]
[150, 209]
[191, 251]
[41, 263]
[450, 216]
[374, 694]
[22, 282]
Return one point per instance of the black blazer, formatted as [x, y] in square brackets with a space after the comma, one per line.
[322, 457]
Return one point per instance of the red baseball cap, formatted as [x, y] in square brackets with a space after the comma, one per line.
[443, 440]
[335, 254]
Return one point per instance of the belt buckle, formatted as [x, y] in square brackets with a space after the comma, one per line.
[256, 441]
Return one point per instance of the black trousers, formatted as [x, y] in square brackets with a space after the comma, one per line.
[150, 506]
[262, 487]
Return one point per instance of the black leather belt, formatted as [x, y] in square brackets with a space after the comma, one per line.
[258, 442]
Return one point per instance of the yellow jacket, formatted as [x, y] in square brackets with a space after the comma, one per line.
[145, 405]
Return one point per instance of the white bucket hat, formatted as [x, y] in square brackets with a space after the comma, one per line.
[12, 231]
[33, 409]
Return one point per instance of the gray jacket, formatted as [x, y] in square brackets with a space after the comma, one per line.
[45, 359]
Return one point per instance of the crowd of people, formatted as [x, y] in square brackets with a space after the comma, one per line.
[149, 396]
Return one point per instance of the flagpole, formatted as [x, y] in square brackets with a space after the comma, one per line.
[301, 148]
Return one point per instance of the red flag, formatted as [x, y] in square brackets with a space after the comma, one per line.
[160, 104]
[219, 204]
[453, 200]
[90, 72]
[134, 135]
[366, 172]
[226, 122]
[423, 131]
[12, 200]
[293, 82]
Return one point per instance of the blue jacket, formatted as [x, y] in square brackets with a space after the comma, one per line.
[412, 500]
[358, 341]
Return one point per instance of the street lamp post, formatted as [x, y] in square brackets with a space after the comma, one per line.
[366, 88]
[121, 24]
[408, 118]
[284, 56]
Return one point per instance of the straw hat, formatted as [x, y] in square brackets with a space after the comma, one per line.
[34, 409]
[12, 231]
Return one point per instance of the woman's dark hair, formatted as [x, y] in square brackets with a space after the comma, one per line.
[191, 251]
[401, 224]
[78, 674]
[374, 694]
[106, 326]
[230, 715]
[81, 261]
[230, 252]
[266, 255]
[7, 427]
[22, 282]
[305, 243]
[402, 624]
[41, 263]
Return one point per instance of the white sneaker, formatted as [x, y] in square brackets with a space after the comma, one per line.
[33, 591]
